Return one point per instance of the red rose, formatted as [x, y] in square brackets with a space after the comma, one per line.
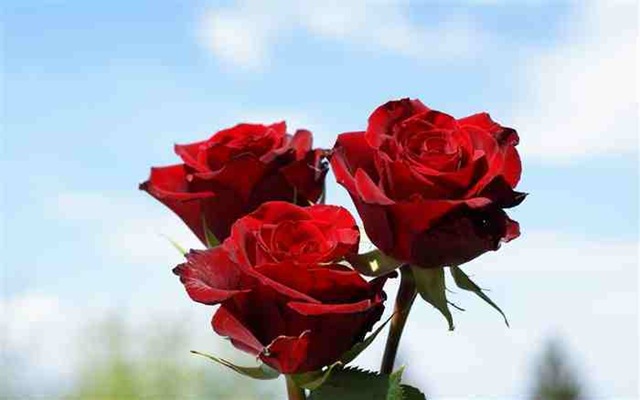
[286, 297]
[237, 169]
[431, 189]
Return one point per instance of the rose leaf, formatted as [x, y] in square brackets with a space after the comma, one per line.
[463, 281]
[431, 286]
[356, 384]
[315, 379]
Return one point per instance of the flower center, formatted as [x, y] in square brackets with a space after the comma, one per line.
[297, 238]
[434, 149]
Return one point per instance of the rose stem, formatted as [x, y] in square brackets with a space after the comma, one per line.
[294, 392]
[404, 300]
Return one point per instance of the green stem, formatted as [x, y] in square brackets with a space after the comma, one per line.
[294, 392]
[404, 300]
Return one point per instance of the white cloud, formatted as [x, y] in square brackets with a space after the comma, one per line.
[244, 34]
[581, 94]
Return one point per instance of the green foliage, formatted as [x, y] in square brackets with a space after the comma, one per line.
[431, 287]
[120, 364]
[261, 372]
[464, 282]
[555, 379]
[356, 384]
[373, 263]
[315, 379]
[411, 393]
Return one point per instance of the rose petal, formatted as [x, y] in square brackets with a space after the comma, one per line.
[210, 277]
[189, 154]
[461, 237]
[225, 324]
[325, 284]
[388, 114]
[169, 185]
[288, 354]
[368, 191]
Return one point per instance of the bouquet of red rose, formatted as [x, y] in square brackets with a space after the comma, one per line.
[284, 268]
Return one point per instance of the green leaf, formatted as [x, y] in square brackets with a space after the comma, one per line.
[315, 379]
[373, 263]
[262, 372]
[395, 389]
[356, 384]
[177, 246]
[463, 281]
[212, 240]
[431, 286]
[411, 393]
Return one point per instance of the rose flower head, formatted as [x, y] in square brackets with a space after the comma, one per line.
[431, 189]
[233, 172]
[284, 291]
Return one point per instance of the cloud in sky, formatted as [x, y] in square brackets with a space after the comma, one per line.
[580, 97]
[573, 100]
[244, 34]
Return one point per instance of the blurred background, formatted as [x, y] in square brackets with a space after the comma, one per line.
[94, 93]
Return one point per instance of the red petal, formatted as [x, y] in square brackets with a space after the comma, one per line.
[287, 354]
[384, 117]
[301, 142]
[370, 192]
[189, 155]
[240, 174]
[323, 309]
[224, 323]
[323, 283]
[169, 185]
[210, 277]
[355, 152]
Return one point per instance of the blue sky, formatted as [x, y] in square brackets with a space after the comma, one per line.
[96, 93]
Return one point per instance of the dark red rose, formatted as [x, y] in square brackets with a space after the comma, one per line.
[285, 293]
[430, 188]
[237, 169]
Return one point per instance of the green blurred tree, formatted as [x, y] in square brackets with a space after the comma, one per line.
[121, 365]
[556, 378]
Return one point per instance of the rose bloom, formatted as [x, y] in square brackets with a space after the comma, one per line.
[236, 170]
[431, 189]
[285, 293]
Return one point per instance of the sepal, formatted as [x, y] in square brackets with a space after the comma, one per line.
[262, 372]
[212, 240]
[463, 281]
[431, 287]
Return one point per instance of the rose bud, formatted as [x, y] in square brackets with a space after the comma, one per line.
[233, 172]
[286, 294]
[431, 189]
